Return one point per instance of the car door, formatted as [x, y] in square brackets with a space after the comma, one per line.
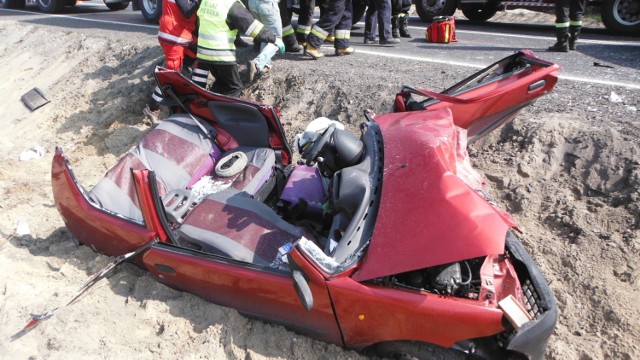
[492, 96]
[253, 290]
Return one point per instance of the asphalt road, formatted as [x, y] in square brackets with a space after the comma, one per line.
[600, 58]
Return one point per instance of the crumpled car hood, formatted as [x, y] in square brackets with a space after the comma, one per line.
[430, 210]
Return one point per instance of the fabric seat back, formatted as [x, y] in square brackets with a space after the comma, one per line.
[234, 225]
[176, 150]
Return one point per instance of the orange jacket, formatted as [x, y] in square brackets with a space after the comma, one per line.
[178, 22]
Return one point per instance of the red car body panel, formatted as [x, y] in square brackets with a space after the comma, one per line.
[253, 291]
[103, 231]
[364, 313]
[443, 219]
[277, 138]
[482, 108]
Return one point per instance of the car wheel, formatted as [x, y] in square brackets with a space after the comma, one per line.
[118, 6]
[13, 4]
[151, 10]
[480, 12]
[417, 350]
[428, 9]
[621, 16]
[359, 8]
[50, 6]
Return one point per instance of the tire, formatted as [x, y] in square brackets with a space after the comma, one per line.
[151, 10]
[359, 9]
[621, 16]
[480, 12]
[118, 6]
[70, 3]
[50, 6]
[417, 350]
[428, 9]
[13, 4]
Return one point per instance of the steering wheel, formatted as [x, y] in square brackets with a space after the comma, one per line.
[311, 154]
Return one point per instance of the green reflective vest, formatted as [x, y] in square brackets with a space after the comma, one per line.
[215, 39]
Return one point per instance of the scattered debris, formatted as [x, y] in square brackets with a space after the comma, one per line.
[34, 98]
[615, 98]
[36, 152]
[22, 228]
[597, 64]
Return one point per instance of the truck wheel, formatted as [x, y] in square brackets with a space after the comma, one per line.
[151, 10]
[621, 16]
[13, 4]
[480, 12]
[427, 9]
[416, 350]
[50, 6]
[117, 6]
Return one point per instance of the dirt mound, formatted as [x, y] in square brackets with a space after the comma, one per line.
[571, 178]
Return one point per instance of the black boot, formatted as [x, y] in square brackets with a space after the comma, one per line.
[562, 35]
[291, 44]
[403, 25]
[394, 27]
[574, 31]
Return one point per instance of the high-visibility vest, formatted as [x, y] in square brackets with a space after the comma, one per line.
[215, 39]
[173, 27]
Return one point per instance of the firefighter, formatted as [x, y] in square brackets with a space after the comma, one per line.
[400, 18]
[220, 21]
[305, 20]
[175, 34]
[288, 34]
[568, 24]
[333, 15]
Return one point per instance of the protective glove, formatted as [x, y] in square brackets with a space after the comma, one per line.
[266, 36]
[280, 46]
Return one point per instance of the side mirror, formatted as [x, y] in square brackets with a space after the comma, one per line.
[301, 284]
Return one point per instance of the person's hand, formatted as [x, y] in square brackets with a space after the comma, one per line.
[280, 46]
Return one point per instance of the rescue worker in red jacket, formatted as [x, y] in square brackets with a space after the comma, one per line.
[175, 34]
[220, 22]
[334, 14]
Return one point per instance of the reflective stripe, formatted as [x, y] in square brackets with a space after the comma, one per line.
[575, 23]
[343, 34]
[173, 38]
[562, 25]
[317, 31]
[287, 30]
[254, 29]
[303, 29]
[199, 79]
[156, 97]
[217, 55]
[200, 71]
[223, 38]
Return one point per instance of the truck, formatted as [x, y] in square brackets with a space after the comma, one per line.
[618, 16]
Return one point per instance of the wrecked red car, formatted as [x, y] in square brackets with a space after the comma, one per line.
[383, 243]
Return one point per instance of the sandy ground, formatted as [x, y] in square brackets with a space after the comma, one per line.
[569, 174]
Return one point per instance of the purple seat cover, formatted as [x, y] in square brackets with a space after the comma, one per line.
[305, 183]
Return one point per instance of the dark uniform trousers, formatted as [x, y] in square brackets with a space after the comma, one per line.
[569, 10]
[333, 15]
